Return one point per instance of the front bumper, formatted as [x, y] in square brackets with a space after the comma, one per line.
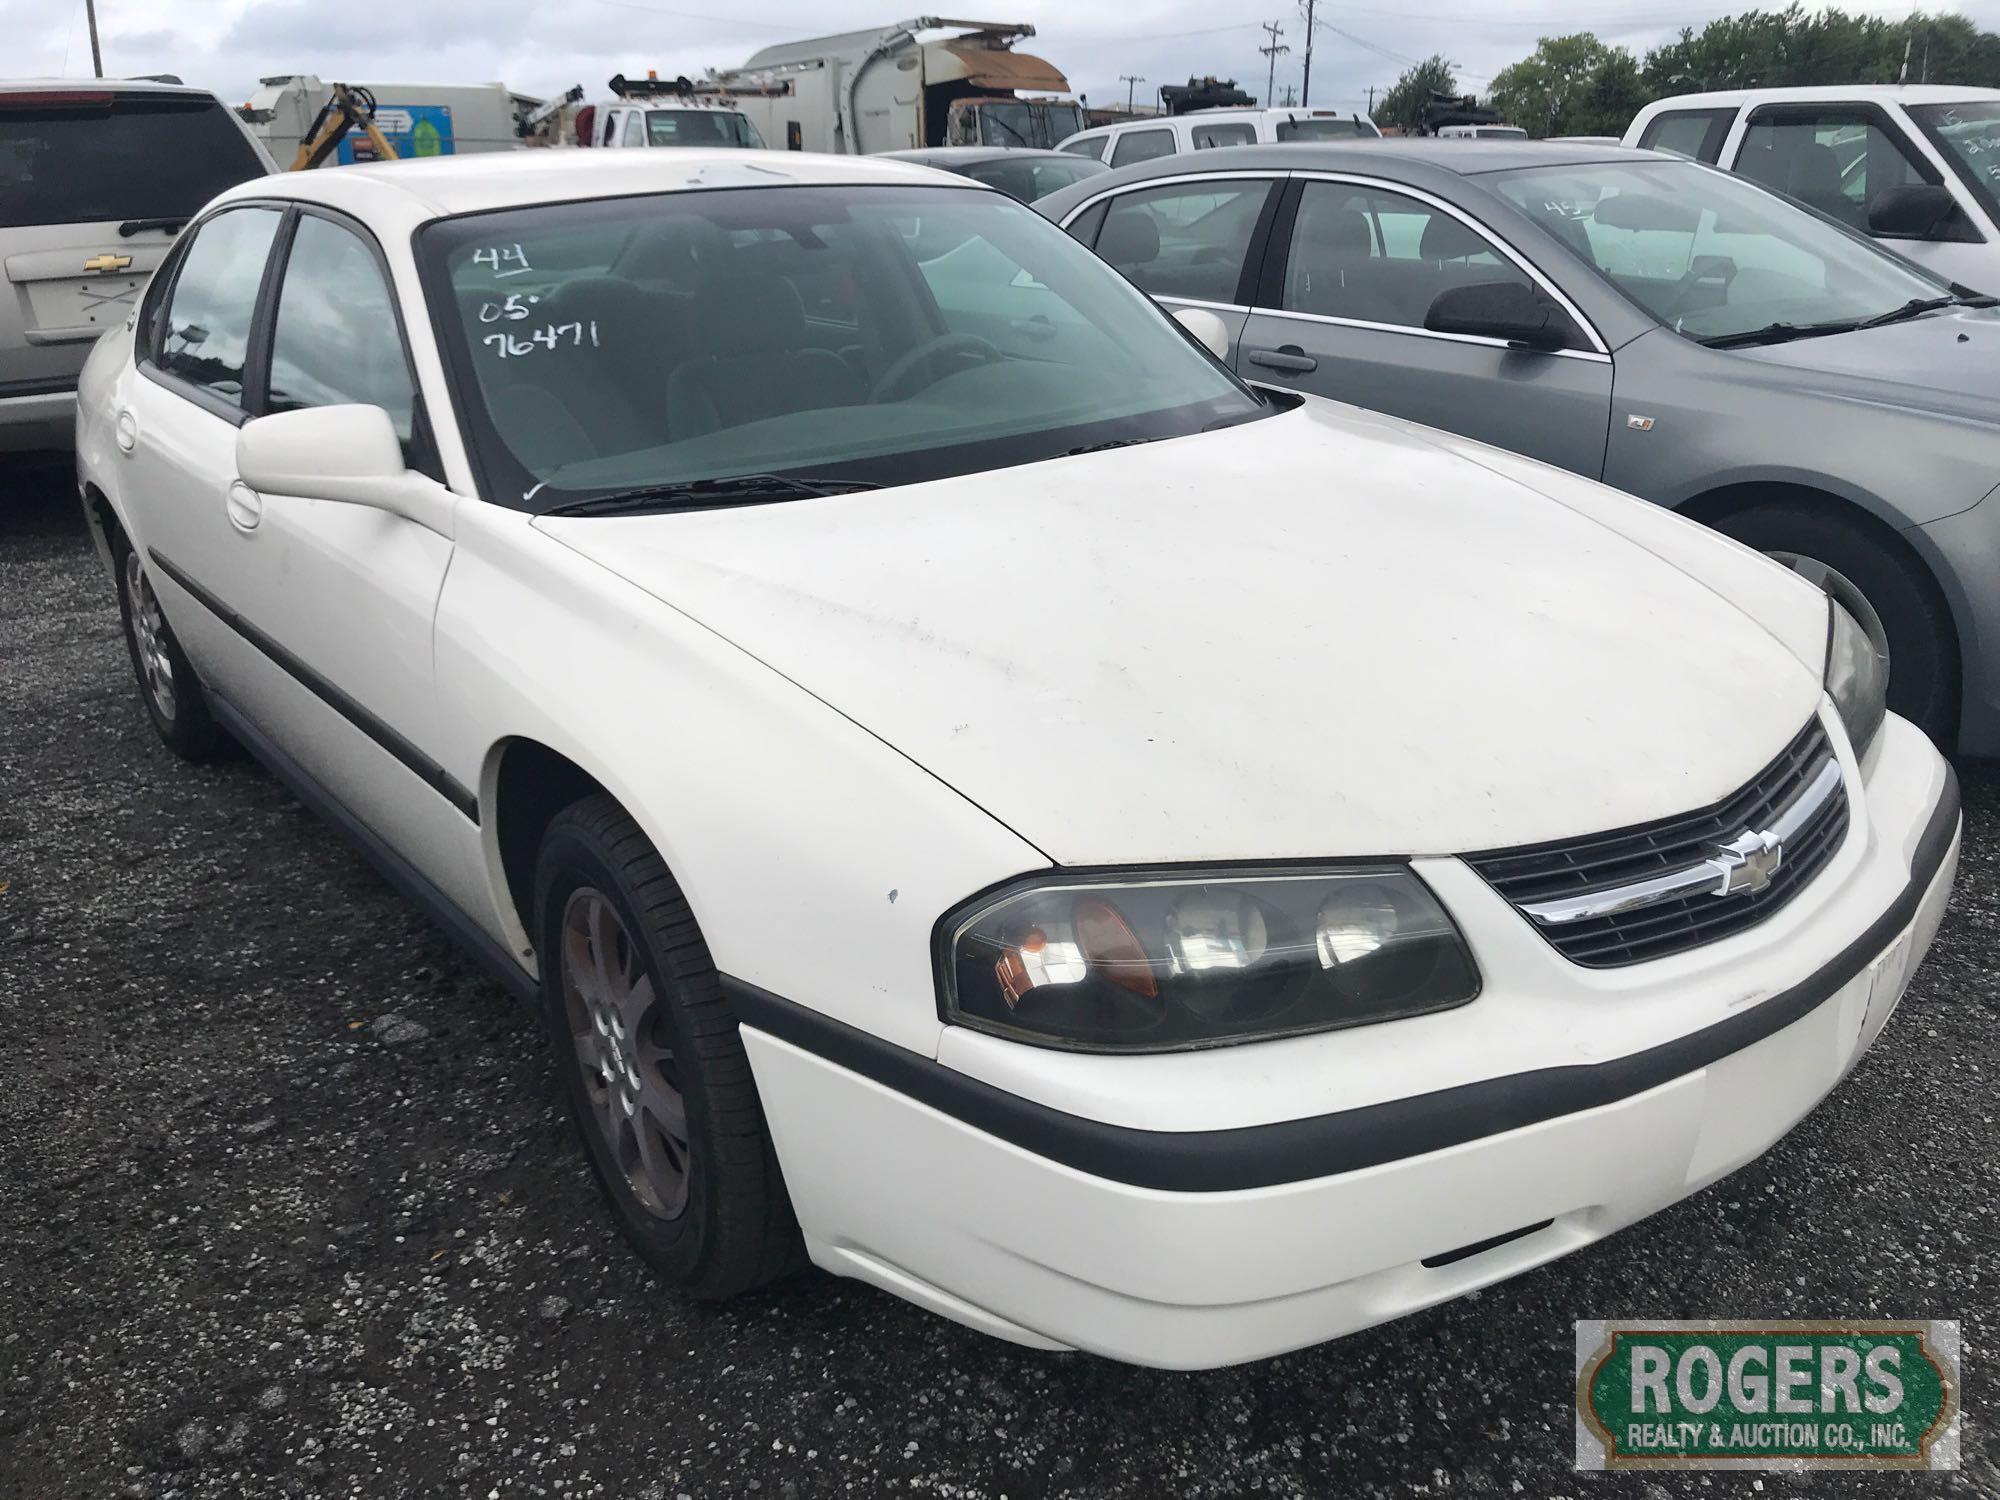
[1198, 1246]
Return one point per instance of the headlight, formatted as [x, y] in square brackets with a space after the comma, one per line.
[1158, 962]
[1857, 677]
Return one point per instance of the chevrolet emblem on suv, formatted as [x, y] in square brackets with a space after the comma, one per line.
[107, 262]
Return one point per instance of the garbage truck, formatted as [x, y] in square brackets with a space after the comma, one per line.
[888, 89]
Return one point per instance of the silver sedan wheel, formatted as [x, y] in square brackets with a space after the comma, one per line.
[1843, 591]
[616, 1019]
[149, 634]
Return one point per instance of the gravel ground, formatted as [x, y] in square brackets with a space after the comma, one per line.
[256, 1239]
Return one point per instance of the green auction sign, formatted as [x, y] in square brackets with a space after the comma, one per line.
[1767, 1395]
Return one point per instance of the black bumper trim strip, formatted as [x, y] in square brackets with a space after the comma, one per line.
[48, 385]
[1259, 1156]
[440, 780]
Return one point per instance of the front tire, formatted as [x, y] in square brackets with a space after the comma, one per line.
[167, 683]
[649, 1056]
[1883, 587]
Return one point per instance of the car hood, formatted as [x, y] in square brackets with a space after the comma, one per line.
[1320, 634]
[1944, 362]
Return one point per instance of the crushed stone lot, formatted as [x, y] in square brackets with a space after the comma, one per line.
[288, 1205]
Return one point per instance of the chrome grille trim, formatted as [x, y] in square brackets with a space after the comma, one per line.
[1607, 900]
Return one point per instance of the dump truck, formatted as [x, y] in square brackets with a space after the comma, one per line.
[887, 89]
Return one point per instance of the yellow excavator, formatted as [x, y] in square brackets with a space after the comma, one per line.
[351, 107]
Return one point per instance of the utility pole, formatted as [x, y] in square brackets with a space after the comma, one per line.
[1131, 82]
[1306, 82]
[1371, 101]
[1273, 51]
[96, 57]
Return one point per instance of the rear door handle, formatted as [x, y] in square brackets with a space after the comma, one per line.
[1286, 357]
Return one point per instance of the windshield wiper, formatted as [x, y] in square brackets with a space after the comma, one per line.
[699, 494]
[1104, 447]
[1779, 333]
[1008, 128]
[139, 226]
[1915, 307]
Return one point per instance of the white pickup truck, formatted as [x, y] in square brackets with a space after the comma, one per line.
[1916, 166]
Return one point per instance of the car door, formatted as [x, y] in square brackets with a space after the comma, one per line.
[341, 597]
[178, 410]
[1189, 241]
[1340, 311]
[326, 607]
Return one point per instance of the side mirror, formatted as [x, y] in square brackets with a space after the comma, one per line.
[1209, 331]
[1912, 211]
[1507, 310]
[348, 454]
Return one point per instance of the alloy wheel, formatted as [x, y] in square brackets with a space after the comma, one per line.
[616, 1019]
[149, 633]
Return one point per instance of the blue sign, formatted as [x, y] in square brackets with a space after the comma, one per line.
[413, 129]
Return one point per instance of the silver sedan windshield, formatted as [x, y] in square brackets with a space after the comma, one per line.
[1709, 254]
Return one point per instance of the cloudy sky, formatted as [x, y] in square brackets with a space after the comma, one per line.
[543, 46]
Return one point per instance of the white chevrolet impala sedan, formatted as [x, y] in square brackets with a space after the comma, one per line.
[980, 797]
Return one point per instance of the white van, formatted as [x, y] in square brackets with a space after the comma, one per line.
[1913, 165]
[1199, 130]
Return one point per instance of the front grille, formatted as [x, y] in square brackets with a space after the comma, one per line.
[1603, 861]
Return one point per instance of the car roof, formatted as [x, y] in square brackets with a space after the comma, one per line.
[1906, 93]
[99, 86]
[1380, 156]
[438, 186]
[966, 155]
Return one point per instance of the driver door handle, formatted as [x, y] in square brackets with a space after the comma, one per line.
[1285, 357]
[245, 506]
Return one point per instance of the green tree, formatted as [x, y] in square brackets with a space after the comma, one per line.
[1570, 85]
[1399, 106]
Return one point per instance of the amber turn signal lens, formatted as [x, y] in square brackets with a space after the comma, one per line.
[1107, 941]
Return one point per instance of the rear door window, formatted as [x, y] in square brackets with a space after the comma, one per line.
[1142, 145]
[206, 337]
[83, 156]
[1236, 134]
[1698, 133]
[1186, 239]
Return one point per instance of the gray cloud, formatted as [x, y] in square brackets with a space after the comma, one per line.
[540, 48]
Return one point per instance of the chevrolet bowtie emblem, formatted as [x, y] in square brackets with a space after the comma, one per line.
[1747, 863]
[107, 262]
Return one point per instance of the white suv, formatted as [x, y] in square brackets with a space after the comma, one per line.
[96, 178]
[1917, 166]
[1171, 135]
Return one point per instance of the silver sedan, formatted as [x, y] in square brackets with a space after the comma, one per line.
[1674, 331]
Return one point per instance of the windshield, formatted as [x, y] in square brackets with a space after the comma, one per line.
[1324, 128]
[1968, 136]
[1710, 254]
[855, 334]
[700, 127]
[82, 157]
[1030, 177]
[1020, 122]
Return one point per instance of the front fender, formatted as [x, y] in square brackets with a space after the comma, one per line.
[817, 859]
